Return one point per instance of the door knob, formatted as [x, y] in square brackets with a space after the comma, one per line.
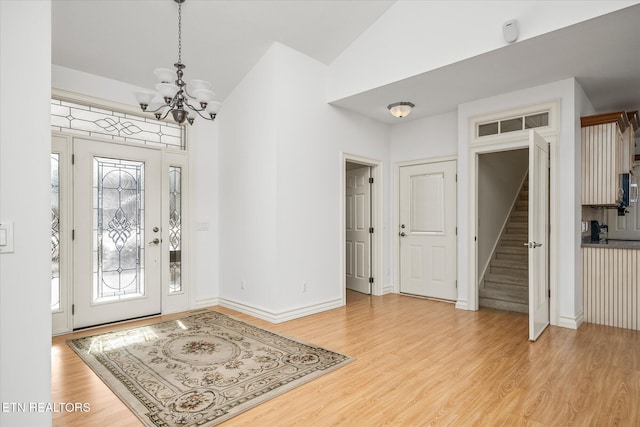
[154, 241]
[403, 234]
[533, 245]
[156, 229]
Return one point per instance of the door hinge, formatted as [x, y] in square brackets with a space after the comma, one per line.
[456, 231]
[73, 234]
[371, 230]
[456, 284]
[370, 180]
[370, 279]
[73, 309]
[549, 293]
[456, 177]
[73, 159]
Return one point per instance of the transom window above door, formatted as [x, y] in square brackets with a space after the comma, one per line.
[513, 124]
[83, 120]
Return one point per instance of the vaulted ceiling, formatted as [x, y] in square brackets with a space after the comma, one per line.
[222, 40]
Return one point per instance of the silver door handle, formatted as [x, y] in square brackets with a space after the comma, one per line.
[154, 241]
[533, 245]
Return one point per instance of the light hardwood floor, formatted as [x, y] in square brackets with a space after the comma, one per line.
[419, 363]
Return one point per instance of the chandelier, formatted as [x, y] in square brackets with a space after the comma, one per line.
[177, 98]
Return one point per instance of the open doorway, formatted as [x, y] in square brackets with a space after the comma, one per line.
[502, 230]
[539, 239]
[361, 225]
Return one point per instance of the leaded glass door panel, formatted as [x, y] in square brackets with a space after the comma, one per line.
[117, 221]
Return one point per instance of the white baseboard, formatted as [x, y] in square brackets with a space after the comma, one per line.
[462, 304]
[205, 302]
[388, 289]
[281, 316]
[571, 322]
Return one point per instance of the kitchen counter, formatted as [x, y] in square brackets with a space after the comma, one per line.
[613, 244]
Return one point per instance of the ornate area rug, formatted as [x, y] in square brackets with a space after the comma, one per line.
[200, 370]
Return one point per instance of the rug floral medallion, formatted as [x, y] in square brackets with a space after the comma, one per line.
[201, 370]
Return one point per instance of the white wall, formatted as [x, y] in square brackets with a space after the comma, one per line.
[414, 37]
[434, 136]
[25, 165]
[247, 188]
[203, 157]
[569, 182]
[204, 250]
[281, 208]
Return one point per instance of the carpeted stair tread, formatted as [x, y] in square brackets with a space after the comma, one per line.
[513, 250]
[517, 273]
[519, 264]
[518, 224]
[513, 295]
[506, 287]
[506, 278]
[510, 237]
[515, 243]
[506, 256]
[522, 205]
[504, 305]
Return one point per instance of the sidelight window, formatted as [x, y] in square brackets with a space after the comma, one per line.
[175, 229]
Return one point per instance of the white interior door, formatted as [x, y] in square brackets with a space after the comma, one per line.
[117, 244]
[428, 230]
[358, 237]
[538, 235]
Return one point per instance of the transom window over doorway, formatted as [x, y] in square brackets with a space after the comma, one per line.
[86, 121]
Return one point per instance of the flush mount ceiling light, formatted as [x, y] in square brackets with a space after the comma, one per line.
[175, 94]
[400, 109]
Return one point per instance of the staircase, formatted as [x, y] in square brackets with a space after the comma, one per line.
[505, 285]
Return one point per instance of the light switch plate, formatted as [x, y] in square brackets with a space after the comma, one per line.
[585, 226]
[6, 237]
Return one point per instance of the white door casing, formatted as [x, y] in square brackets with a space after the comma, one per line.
[358, 222]
[428, 230]
[538, 235]
[132, 254]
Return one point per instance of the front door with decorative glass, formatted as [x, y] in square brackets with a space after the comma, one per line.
[117, 232]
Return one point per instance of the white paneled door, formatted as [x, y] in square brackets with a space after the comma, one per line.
[428, 230]
[358, 236]
[117, 227]
[538, 235]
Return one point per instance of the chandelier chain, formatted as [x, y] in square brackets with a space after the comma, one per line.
[179, 33]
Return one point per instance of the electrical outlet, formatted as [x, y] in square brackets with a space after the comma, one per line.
[585, 226]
